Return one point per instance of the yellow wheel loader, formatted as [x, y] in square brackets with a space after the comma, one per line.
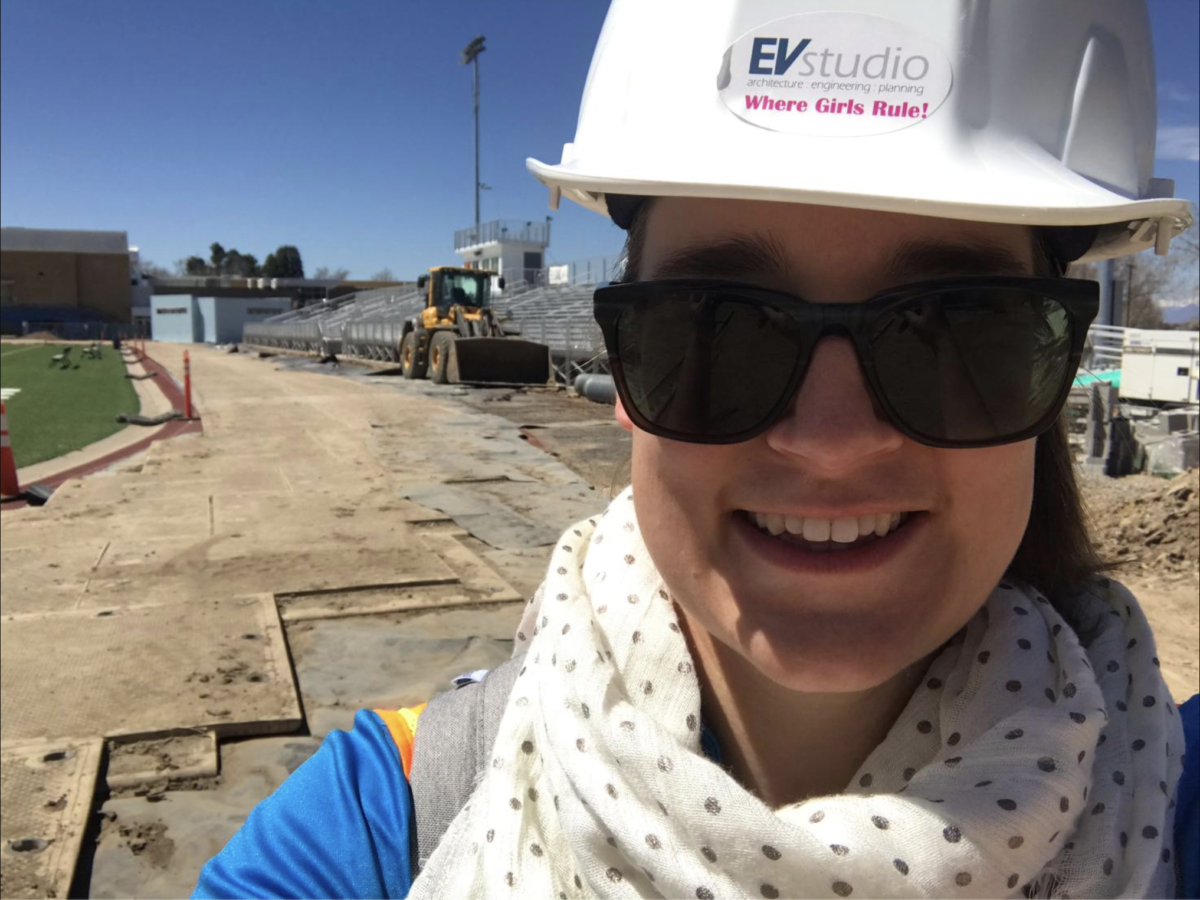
[457, 340]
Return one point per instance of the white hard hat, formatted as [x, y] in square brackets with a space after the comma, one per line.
[1022, 111]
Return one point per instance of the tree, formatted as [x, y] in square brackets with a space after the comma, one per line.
[153, 270]
[324, 273]
[1147, 280]
[243, 264]
[289, 259]
[384, 274]
[283, 263]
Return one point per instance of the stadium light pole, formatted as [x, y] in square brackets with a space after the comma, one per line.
[470, 54]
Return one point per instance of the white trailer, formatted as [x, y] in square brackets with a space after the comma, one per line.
[1160, 366]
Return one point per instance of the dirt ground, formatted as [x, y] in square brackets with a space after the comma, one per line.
[226, 584]
[581, 434]
[1148, 527]
[1149, 530]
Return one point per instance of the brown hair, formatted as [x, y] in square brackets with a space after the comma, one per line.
[1056, 554]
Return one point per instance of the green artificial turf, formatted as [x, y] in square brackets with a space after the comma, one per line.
[60, 410]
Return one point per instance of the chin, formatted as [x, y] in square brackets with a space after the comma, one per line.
[828, 650]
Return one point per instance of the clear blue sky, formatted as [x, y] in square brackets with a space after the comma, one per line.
[343, 128]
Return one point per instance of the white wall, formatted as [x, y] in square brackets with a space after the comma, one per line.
[225, 318]
[173, 318]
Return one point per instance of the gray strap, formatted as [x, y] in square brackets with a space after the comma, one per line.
[455, 734]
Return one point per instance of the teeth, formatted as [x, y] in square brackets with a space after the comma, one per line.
[817, 530]
[844, 531]
[838, 531]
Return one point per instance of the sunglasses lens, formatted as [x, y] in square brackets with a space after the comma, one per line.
[706, 365]
[973, 365]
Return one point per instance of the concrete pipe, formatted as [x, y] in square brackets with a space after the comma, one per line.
[597, 388]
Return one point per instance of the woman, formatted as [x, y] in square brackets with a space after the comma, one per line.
[850, 638]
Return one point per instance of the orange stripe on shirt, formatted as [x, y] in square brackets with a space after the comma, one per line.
[402, 726]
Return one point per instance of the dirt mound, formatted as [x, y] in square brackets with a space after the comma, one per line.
[41, 336]
[1147, 525]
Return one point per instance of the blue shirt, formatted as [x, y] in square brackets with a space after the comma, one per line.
[341, 825]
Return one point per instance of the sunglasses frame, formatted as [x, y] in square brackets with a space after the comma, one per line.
[1079, 298]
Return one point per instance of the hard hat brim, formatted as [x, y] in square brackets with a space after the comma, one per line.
[1126, 226]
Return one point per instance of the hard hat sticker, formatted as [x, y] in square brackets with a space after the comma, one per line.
[833, 73]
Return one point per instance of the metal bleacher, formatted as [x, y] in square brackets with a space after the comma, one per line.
[349, 325]
[559, 316]
[367, 325]
[298, 329]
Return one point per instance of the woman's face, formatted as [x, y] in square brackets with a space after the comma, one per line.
[828, 622]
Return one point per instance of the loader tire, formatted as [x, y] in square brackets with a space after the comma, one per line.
[439, 357]
[411, 363]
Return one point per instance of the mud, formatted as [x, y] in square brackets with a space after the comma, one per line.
[148, 839]
[1148, 527]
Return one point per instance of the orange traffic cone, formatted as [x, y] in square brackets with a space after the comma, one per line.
[9, 485]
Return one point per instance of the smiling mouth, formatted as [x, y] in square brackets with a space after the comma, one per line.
[827, 535]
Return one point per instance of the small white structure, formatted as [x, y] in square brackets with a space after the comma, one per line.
[186, 319]
[514, 249]
[1161, 366]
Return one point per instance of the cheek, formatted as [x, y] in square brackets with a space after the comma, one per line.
[678, 488]
[990, 492]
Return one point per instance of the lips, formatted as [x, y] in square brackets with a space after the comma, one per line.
[827, 535]
[866, 553]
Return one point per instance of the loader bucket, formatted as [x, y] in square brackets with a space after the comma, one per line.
[487, 360]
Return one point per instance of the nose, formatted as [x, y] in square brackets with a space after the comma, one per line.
[833, 423]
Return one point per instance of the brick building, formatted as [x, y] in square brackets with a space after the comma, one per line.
[48, 273]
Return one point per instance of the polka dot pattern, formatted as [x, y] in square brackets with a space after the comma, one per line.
[1083, 732]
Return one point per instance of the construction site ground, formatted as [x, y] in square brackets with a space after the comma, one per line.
[181, 630]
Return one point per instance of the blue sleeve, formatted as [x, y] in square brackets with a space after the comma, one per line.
[339, 826]
[1187, 809]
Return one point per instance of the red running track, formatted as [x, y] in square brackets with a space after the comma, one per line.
[174, 395]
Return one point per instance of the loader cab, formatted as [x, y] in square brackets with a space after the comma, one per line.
[450, 287]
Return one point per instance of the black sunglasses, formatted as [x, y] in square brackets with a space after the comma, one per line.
[963, 362]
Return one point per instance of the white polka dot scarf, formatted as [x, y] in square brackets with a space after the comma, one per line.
[1024, 764]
